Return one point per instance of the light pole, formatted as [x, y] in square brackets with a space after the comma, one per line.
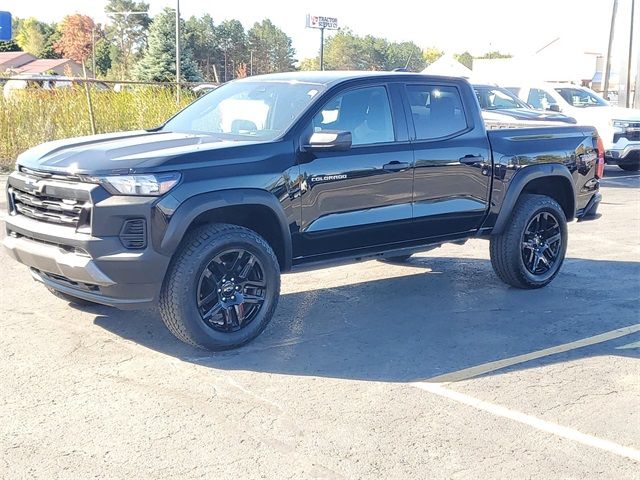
[178, 51]
[607, 68]
[628, 102]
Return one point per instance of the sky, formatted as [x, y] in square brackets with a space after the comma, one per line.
[518, 27]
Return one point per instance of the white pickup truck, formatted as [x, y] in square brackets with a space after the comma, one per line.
[618, 127]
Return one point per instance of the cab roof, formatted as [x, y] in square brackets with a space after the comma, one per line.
[331, 77]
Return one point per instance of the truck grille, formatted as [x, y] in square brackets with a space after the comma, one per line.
[50, 201]
[48, 209]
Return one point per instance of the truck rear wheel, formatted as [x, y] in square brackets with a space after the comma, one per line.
[530, 251]
[222, 287]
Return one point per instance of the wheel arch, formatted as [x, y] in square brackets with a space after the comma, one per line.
[255, 209]
[552, 180]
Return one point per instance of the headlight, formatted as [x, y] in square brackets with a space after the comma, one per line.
[147, 184]
[619, 126]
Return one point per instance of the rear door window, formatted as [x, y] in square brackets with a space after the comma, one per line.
[436, 111]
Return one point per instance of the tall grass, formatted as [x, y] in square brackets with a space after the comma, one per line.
[31, 117]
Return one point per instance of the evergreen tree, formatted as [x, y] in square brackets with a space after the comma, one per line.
[200, 38]
[127, 30]
[270, 49]
[232, 41]
[159, 61]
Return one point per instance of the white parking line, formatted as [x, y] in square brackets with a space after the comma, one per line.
[507, 362]
[537, 423]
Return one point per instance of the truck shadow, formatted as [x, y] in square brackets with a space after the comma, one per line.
[452, 315]
[615, 177]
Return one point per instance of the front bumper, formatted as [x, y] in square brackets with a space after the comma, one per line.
[90, 261]
[623, 151]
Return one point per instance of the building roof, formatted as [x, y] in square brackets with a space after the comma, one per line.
[42, 65]
[14, 59]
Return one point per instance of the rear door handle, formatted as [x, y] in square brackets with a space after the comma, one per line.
[395, 166]
[471, 159]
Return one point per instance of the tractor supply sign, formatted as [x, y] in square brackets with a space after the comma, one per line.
[316, 21]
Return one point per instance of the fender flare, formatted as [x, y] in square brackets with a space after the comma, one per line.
[194, 206]
[520, 180]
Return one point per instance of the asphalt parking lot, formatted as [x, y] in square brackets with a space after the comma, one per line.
[429, 369]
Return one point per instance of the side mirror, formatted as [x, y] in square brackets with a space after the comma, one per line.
[329, 140]
[554, 107]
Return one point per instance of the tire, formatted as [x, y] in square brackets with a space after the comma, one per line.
[630, 167]
[396, 259]
[514, 251]
[80, 302]
[216, 298]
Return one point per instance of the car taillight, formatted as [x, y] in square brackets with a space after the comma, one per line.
[600, 164]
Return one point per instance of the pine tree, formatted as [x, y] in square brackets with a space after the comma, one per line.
[159, 61]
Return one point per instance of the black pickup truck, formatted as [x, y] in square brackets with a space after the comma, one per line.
[281, 172]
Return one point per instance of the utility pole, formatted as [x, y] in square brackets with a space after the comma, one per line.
[93, 51]
[607, 68]
[178, 51]
[322, 48]
[628, 100]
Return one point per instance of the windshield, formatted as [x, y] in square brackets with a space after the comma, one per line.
[579, 97]
[493, 98]
[241, 110]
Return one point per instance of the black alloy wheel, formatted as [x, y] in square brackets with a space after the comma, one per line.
[231, 290]
[541, 243]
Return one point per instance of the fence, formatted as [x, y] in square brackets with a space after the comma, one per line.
[39, 111]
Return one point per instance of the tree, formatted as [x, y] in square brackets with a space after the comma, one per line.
[49, 50]
[342, 51]
[10, 46]
[128, 28]
[464, 58]
[232, 42]
[431, 54]
[76, 40]
[309, 64]
[270, 49]
[201, 39]
[76, 43]
[103, 56]
[347, 51]
[495, 54]
[159, 60]
[406, 55]
[32, 36]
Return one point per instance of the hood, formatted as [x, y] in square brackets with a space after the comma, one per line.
[532, 115]
[619, 113]
[124, 152]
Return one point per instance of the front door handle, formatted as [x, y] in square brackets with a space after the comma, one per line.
[471, 159]
[395, 166]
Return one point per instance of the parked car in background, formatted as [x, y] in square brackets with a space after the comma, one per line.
[204, 88]
[22, 82]
[618, 127]
[503, 109]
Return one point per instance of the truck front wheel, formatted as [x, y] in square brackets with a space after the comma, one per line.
[222, 287]
[531, 249]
